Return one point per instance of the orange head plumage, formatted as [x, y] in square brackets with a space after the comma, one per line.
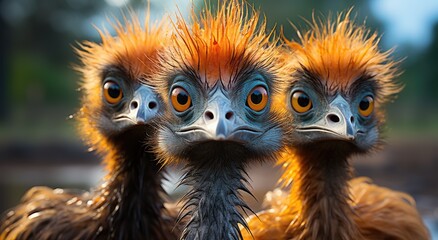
[336, 59]
[129, 59]
[228, 47]
[340, 54]
[222, 45]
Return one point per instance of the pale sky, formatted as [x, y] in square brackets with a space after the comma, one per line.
[406, 21]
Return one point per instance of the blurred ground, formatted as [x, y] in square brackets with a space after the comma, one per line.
[408, 165]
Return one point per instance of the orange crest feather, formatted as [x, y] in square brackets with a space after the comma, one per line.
[134, 49]
[220, 45]
[339, 52]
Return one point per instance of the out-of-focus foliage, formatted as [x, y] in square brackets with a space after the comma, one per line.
[38, 86]
[416, 109]
[37, 54]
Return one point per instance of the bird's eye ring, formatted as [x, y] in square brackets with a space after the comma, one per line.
[112, 92]
[366, 106]
[257, 99]
[181, 100]
[301, 102]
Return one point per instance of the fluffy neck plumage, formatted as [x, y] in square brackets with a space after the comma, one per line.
[128, 205]
[212, 202]
[320, 196]
[134, 196]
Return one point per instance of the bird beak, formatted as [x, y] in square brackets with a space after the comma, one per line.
[143, 106]
[219, 121]
[336, 124]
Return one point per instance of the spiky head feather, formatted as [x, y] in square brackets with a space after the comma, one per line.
[221, 45]
[341, 52]
[338, 53]
[134, 50]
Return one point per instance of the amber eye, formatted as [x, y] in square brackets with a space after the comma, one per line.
[181, 100]
[301, 102]
[257, 99]
[112, 92]
[366, 106]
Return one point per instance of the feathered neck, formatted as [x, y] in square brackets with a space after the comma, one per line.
[319, 197]
[213, 201]
[131, 197]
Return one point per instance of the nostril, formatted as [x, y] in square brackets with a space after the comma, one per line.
[152, 105]
[229, 115]
[352, 119]
[134, 104]
[209, 115]
[333, 118]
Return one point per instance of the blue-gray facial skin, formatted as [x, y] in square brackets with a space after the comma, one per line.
[343, 116]
[218, 130]
[222, 115]
[126, 103]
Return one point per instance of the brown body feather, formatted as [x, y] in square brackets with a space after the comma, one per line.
[383, 213]
[323, 203]
[129, 204]
[123, 207]
[372, 206]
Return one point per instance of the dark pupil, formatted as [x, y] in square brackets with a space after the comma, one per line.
[182, 98]
[303, 100]
[114, 91]
[256, 97]
[364, 104]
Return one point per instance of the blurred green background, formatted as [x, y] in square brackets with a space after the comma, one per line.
[39, 90]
